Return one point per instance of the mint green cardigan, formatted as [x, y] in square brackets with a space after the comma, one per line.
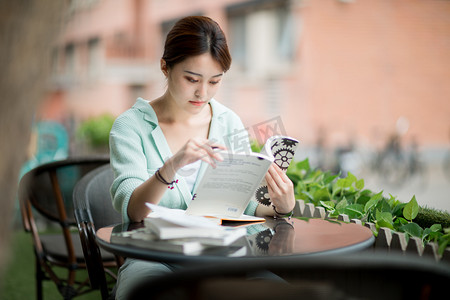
[138, 148]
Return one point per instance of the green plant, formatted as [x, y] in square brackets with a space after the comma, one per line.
[255, 146]
[96, 130]
[429, 216]
[348, 196]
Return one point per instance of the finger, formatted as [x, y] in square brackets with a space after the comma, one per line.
[272, 185]
[215, 145]
[279, 184]
[207, 159]
[282, 175]
[206, 146]
[278, 180]
[204, 156]
[212, 149]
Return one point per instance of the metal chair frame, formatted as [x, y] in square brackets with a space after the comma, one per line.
[99, 179]
[43, 182]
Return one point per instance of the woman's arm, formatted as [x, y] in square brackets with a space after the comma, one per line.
[153, 189]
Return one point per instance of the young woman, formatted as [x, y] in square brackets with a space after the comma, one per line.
[169, 141]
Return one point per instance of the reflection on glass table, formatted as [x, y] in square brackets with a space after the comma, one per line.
[274, 237]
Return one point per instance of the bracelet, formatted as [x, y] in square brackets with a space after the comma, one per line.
[277, 214]
[162, 180]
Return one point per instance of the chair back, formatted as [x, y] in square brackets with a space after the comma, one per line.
[45, 197]
[93, 191]
[93, 209]
[49, 187]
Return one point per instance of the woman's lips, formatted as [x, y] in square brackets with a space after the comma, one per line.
[197, 103]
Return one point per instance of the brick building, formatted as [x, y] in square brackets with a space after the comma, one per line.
[349, 71]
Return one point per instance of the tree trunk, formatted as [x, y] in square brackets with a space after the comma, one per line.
[28, 30]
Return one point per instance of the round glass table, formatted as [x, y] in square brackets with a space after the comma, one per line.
[273, 238]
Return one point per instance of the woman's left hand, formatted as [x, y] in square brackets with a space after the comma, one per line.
[281, 190]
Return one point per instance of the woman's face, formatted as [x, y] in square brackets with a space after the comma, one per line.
[193, 82]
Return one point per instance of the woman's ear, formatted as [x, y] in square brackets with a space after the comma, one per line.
[164, 68]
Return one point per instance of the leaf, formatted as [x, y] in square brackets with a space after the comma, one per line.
[328, 178]
[343, 183]
[411, 209]
[373, 201]
[342, 204]
[328, 204]
[354, 211]
[321, 195]
[436, 227]
[425, 233]
[383, 205]
[363, 199]
[442, 246]
[304, 196]
[295, 178]
[392, 201]
[359, 184]
[412, 229]
[401, 221]
[398, 209]
[383, 223]
[303, 165]
[384, 219]
[351, 178]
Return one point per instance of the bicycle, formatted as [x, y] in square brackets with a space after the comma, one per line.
[395, 165]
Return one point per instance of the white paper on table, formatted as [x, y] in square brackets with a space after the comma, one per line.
[179, 217]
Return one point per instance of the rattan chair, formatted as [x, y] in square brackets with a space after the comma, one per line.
[93, 209]
[45, 196]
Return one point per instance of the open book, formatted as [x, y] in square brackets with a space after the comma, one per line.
[225, 191]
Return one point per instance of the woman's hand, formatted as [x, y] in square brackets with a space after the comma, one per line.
[152, 190]
[281, 190]
[197, 149]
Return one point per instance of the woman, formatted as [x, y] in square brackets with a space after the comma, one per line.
[162, 143]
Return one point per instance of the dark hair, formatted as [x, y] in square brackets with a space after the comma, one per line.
[195, 35]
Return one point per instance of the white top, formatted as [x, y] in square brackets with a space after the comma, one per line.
[190, 172]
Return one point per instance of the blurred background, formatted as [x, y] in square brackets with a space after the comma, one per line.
[364, 85]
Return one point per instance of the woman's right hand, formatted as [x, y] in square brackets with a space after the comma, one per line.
[152, 190]
[197, 149]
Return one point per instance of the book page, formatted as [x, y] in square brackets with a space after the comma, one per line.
[179, 217]
[227, 189]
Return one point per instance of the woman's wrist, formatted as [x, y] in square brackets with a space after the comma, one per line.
[282, 214]
[167, 171]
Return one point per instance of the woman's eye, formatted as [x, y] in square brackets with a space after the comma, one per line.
[214, 82]
[192, 80]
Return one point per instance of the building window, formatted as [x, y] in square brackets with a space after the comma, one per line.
[94, 58]
[261, 35]
[69, 60]
[137, 90]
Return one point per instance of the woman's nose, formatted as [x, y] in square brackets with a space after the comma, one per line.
[201, 91]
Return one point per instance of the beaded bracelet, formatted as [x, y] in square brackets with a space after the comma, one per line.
[277, 214]
[161, 179]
